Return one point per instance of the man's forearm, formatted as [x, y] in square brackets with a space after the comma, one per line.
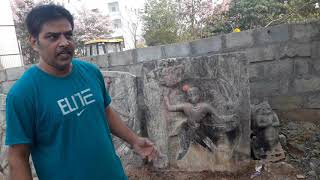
[119, 128]
[19, 169]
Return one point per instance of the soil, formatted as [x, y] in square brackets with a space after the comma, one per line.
[270, 171]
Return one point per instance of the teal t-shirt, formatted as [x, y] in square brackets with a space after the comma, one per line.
[63, 120]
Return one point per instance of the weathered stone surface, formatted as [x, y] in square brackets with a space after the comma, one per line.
[6, 86]
[122, 88]
[122, 58]
[284, 102]
[2, 75]
[307, 85]
[101, 61]
[267, 53]
[265, 141]
[206, 46]
[177, 50]
[2, 102]
[312, 101]
[241, 39]
[264, 88]
[14, 73]
[149, 53]
[273, 34]
[305, 31]
[221, 83]
[302, 68]
[295, 49]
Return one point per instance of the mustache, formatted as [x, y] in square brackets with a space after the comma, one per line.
[66, 51]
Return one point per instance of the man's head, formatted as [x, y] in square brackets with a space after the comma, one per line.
[194, 95]
[51, 27]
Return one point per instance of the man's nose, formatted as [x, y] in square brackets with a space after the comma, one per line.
[63, 41]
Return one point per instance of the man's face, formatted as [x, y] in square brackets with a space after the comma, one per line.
[194, 95]
[55, 44]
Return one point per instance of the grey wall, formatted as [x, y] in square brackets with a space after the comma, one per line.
[284, 61]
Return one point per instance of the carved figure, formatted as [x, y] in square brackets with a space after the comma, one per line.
[208, 133]
[265, 141]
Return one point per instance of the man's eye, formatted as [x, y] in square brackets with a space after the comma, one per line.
[52, 37]
[69, 36]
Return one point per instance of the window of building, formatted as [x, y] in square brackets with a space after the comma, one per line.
[113, 7]
[116, 23]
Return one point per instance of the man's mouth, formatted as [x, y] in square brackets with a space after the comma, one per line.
[65, 53]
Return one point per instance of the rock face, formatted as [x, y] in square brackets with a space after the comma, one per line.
[3, 149]
[122, 88]
[198, 111]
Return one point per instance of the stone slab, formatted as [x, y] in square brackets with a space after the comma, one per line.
[14, 73]
[177, 50]
[224, 86]
[267, 53]
[273, 34]
[241, 39]
[307, 85]
[2, 76]
[122, 58]
[206, 46]
[149, 53]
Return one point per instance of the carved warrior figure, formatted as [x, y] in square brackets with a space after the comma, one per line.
[197, 128]
[265, 141]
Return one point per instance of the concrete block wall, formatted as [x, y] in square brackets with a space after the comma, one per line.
[284, 61]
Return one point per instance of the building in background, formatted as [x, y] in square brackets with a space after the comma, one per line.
[124, 16]
[9, 47]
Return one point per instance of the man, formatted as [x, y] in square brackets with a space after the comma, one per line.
[59, 111]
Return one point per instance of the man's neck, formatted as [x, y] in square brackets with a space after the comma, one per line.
[53, 70]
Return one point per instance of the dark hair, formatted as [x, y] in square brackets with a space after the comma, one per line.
[44, 13]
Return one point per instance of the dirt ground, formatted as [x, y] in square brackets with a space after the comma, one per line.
[274, 171]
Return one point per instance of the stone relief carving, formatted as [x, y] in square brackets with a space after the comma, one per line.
[265, 139]
[204, 126]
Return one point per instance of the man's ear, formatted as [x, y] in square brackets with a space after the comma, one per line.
[34, 43]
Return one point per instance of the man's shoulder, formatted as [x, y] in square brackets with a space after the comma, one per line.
[84, 64]
[25, 83]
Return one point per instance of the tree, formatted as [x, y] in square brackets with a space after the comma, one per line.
[20, 10]
[88, 25]
[160, 22]
[91, 24]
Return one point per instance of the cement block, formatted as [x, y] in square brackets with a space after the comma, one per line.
[149, 53]
[301, 68]
[313, 101]
[2, 119]
[295, 49]
[206, 46]
[278, 69]
[136, 69]
[307, 85]
[6, 86]
[256, 72]
[14, 73]
[315, 50]
[241, 39]
[286, 102]
[122, 58]
[305, 31]
[2, 76]
[273, 34]
[2, 102]
[177, 50]
[102, 61]
[267, 53]
[264, 88]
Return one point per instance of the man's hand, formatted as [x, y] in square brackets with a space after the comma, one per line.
[146, 149]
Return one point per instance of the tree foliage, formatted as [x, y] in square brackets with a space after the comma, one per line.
[194, 19]
[88, 25]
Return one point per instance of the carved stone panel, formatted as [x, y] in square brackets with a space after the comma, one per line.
[198, 111]
[122, 88]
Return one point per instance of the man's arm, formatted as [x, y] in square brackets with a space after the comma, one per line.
[19, 167]
[142, 146]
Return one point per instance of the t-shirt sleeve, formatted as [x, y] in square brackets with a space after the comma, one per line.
[19, 120]
[106, 96]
